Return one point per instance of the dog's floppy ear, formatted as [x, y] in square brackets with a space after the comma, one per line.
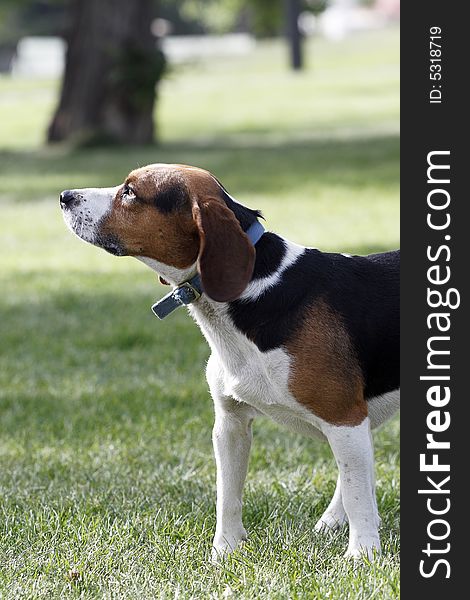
[226, 254]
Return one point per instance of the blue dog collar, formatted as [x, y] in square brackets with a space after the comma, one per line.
[191, 290]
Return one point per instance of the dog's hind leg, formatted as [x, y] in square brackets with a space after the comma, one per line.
[335, 515]
[353, 450]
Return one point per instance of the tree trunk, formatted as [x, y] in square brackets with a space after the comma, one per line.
[294, 35]
[112, 67]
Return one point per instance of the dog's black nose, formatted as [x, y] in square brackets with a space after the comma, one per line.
[66, 197]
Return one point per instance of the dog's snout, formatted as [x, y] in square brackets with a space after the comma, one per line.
[66, 197]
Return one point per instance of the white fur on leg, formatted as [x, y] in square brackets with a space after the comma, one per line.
[354, 453]
[335, 515]
[232, 441]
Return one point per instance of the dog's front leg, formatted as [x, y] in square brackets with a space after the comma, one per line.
[232, 441]
[231, 438]
[354, 453]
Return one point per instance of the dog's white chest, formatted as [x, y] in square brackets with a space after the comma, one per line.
[260, 379]
[262, 383]
[264, 386]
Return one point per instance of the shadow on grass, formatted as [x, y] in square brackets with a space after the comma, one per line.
[248, 165]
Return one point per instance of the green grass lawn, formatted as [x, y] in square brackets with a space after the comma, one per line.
[106, 464]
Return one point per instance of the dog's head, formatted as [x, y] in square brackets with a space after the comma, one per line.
[178, 216]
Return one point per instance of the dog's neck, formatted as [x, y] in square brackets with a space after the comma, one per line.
[273, 255]
[271, 250]
[172, 275]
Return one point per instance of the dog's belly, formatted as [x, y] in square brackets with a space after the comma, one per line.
[288, 419]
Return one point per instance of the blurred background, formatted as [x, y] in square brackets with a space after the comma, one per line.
[105, 417]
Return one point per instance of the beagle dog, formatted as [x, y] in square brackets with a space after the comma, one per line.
[308, 338]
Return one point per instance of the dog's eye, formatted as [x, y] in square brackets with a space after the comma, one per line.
[128, 194]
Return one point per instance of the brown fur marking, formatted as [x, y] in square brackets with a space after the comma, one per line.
[325, 375]
[198, 225]
[171, 238]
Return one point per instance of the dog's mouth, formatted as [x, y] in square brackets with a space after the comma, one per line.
[84, 228]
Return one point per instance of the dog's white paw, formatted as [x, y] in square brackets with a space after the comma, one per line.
[329, 521]
[224, 544]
